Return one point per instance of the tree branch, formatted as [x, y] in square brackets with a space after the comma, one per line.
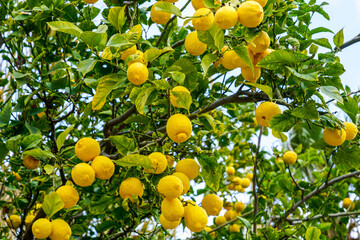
[348, 43]
[295, 221]
[118, 120]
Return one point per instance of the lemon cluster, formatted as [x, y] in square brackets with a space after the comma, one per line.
[57, 229]
[336, 137]
[233, 210]
[237, 183]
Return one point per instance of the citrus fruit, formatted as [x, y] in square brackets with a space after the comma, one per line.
[41, 228]
[265, 111]
[239, 207]
[159, 17]
[208, 229]
[351, 130]
[184, 179]
[236, 180]
[334, 137]
[259, 56]
[231, 60]
[137, 73]
[260, 43]
[200, 3]
[203, 20]
[60, 230]
[289, 157]
[104, 168]
[228, 205]
[193, 45]
[231, 186]
[168, 224]
[250, 14]
[249, 75]
[87, 149]
[346, 203]
[212, 204]
[195, 218]
[177, 89]
[261, 2]
[179, 128]
[68, 195]
[83, 174]
[245, 182]
[230, 170]
[30, 162]
[170, 187]
[249, 176]
[230, 214]
[189, 167]
[170, 160]
[14, 221]
[131, 186]
[172, 209]
[226, 17]
[158, 162]
[128, 52]
[29, 218]
[234, 228]
[220, 220]
[239, 188]
[138, 56]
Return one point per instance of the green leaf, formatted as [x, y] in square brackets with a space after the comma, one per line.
[282, 122]
[210, 171]
[350, 107]
[183, 99]
[325, 226]
[142, 98]
[127, 40]
[86, 66]
[48, 169]
[245, 222]
[162, 84]
[31, 141]
[266, 89]
[206, 62]
[308, 111]
[93, 39]
[134, 160]
[103, 89]
[116, 17]
[278, 59]
[332, 92]
[347, 157]
[59, 66]
[5, 115]
[312, 233]
[243, 53]
[52, 204]
[100, 206]
[123, 144]
[62, 136]
[152, 53]
[168, 7]
[213, 38]
[65, 27]
[323, 42]
[279, 135]
[39, 153]
[308, 76]
[339, 38]
[3, 151]
[13, 144]
[210, 4]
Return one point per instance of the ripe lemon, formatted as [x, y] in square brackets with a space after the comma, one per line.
[91, 1]
[205, 22]
[230, 214]
[41, 228]
[14, 221]
[265, 111]
[239, 207]
[159, 163]
[245, 182]
[177, 89]
[172, 209]
[347, 202]
[334, 137]
[230, 170]
[289, 157]
[260, 43]
[226, 17]
[179, 128]
[83, 174]
[212, 204]
[128, 52]
[168, 224]
[60, 230]
[30, 162]
[351, 130]
[29, 218]
[104, 168]
[195, 218]
[250, 14]
[239, 188]
[87, 149]
[231, 186]
[131, 186]
[139, 57]
[184, 179]
[137, 73]
[159, 17]
[259, 56]
[249, 176]
[236, 180]
[220, 220]
[68, 195]
[200, 3]
[231, 60]
[234, 228]
[208, 229]
[261, 2]
[170, 186]
[189, 167]
[193, 45]
[250, 76]
[170, 160]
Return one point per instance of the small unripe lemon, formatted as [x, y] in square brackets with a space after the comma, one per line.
[87, 149]
[14, 221]
[245, 182]
[137, 73]
[168, 224]
[172, 209]
[250, 14]
[41, 228]
[249, 75]
[170, 186]
[177, 89]
[159, 17]
[179, 128]
[230, 214]
[195, 218]
[83, 174]
[220, 220]
[226, 17]
[261, 2]
[60, 230]
[103, 166]
[131, 186]
[189, 167]
[193, 45]
[239, 207]
[334, 137]
[30, 162]
[289, 157]
[184, 179]
[212, 204]
[230, 170]
[260, 43]
[205, 22]
[265, 111]
[68, 195]
[234, 228]
[351, 130]
[347, 202]
[128, 52]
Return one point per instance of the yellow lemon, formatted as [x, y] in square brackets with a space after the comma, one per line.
[250, 14]
[239, 188]
[30, 162]
[179, 128]
[245, 182]
[159, 17]
[104, 168]
[265, 111]
[14, 221]
[347, 202]
[41, 228]
[189, 167]
[208, 229]
[83, 174]
[261, 2]
[131, 186]
[137, 73]
[128, 52]
[68, 195]
[231, 60]
[170, 186]
[230, 214]
[334, 137]
[234, 228]
[159, 163]
[172, 209]
[249, 176]
[193, 45]
[250, 76]
[236, 180]
[60, 230]
[168, 224]
[351, 130]
[170, 160]
[200, 3]
[87, 149]
[228, 205]
[231, 186]
[138, 56]
[195, 218]
[260, 43]
[29, 219]
[212, 204]
[230, 170]
[204, 19]
[289, 157]
[184, 179]
[239, 207]
[226, 17]
[220, 220]
[177, 89]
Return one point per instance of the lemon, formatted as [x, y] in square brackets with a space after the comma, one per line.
[261, 2]
[137, 73]
[234, 228]
[139, 57]
[347, 202]
[30, 162]
[250, 14]
[104, 168]
[249, 176]
[91, 1]
[128, 52]
[83, 174]
[159, 17]
[184, 179]
[158, 162]
[230, 214]
[131, 186]
[239, 188]
[351, 130]
[228, 205]
[177, 89]
[189, 167]
[245, 182]
[334, 137]
[265, 111]
[250, 76]
[208, 229]
[200, 3]
[41, 228]
[170, 186]
[231, 186]
[29, 218]
[195, 218]
[60, 230]
[170, 160]
[179, 128]
[172, 209]
[168, 224]
[259, 56]
[231, 60]
[220, 220]
[239, 207]
[193, 45]
[236, 180]
[226, 17]
[212, 204]
[260, 43]
[289, 157]
[230, 170]
[14, 221]
[203, 20]
[68, 195]
[87, 149]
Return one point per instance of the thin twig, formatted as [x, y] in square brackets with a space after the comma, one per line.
[256, 198]
[297, 185]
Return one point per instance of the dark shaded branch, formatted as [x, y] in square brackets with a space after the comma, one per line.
[117, 120]
[295, 221]
[297, 185]
[178, 43]
[348, 43]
